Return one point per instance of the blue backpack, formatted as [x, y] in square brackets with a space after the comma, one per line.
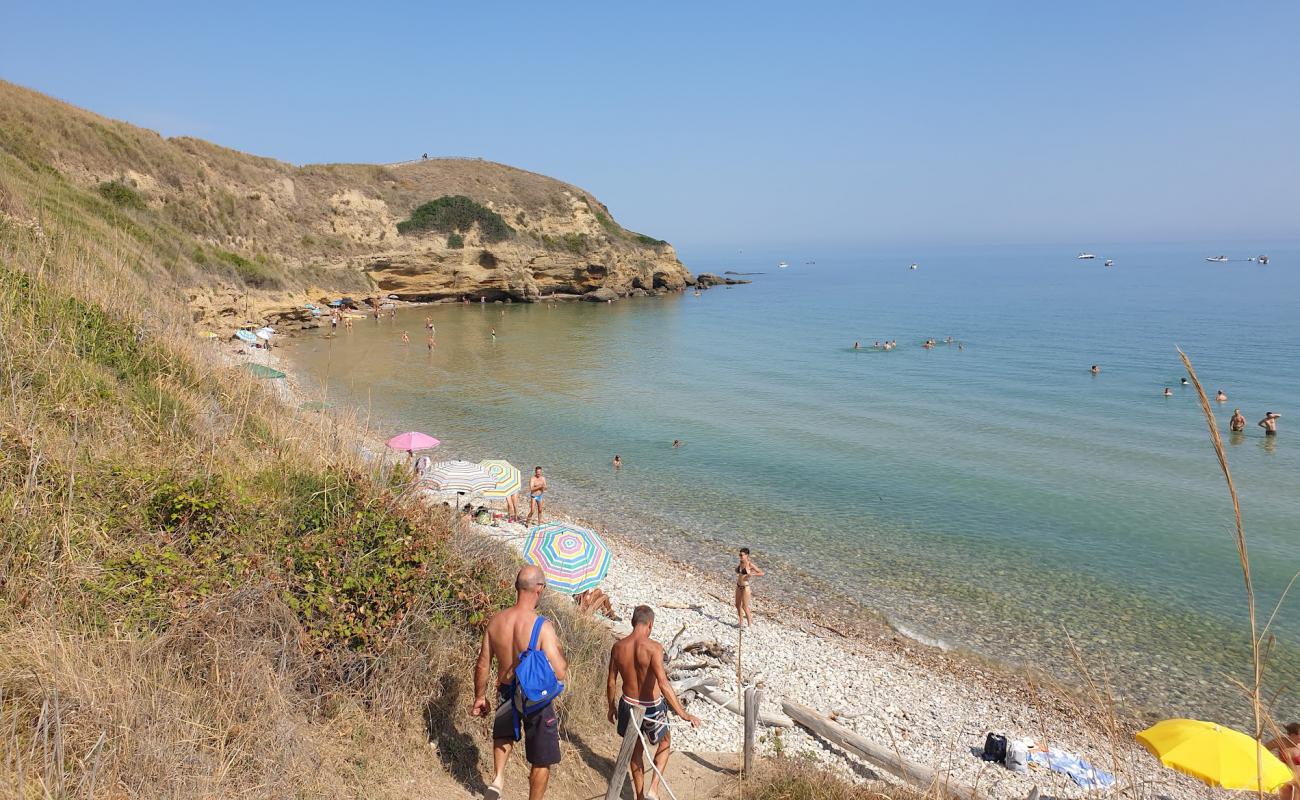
[535, 681]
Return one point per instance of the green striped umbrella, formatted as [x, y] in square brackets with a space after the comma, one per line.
[505, 474]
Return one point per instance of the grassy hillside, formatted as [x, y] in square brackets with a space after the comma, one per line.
[221, 223]
[202, 593]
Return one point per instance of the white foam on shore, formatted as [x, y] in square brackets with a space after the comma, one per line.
[920, 638]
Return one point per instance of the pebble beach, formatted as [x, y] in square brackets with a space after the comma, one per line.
[930, 707]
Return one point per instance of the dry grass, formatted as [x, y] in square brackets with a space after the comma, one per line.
[146, 655]
[795, 779]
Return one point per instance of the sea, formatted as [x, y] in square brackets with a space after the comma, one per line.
[990, 495]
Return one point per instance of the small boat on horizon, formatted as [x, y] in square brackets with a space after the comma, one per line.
[1110, 262]
[1085, 255]
[783, 265]
[912, 267]
[1217, 259]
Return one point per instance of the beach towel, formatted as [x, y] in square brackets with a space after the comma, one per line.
[1080, 771]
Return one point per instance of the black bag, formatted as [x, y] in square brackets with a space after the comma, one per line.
[995, 748]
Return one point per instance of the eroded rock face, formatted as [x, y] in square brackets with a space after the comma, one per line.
[265, 232]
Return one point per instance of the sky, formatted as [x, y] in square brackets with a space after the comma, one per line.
[748, 124]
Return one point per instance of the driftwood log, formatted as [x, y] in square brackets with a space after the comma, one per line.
[673, 647]
[768, 718]
[753, 701]
[693, 683]
[916, 774]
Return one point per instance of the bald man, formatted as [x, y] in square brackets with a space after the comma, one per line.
[506, 637]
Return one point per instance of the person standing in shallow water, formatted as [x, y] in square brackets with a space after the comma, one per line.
[536, 490]
[1269, 423]
[1238, 422]
[745, 570]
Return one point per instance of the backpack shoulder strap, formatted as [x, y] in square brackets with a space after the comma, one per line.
[537, 629]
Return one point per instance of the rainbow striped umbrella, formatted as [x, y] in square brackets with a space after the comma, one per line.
[505, 474]
[574, 559]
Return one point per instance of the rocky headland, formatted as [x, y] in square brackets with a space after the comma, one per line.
[269, 237]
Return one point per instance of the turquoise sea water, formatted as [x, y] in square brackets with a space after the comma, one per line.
[994, 497]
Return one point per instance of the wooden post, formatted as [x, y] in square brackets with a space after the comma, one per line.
[619, 775]
[753, 698]
[740, 687]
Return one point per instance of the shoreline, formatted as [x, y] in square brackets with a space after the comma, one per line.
[929, 704]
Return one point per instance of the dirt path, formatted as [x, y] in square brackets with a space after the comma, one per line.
[584, 774]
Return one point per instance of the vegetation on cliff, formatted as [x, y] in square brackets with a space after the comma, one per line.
[456, 214]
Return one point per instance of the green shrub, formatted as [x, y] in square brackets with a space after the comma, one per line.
[455, 241]
[649, 241]
[456, 213]
[120, 194]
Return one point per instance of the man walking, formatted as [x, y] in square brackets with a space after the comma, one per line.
[639, 661]
[508, 634]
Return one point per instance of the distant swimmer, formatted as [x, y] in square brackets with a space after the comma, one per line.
[405, 339]
[1238, 422]
[1094, 369]
[1169, 392]
[428, 323]
[494, 334]
[1269, 423]
[1221, 397]
[429, 343]
[877, 344]
[855, 346]
[677, 442]
[1183, 381]
[618, 462]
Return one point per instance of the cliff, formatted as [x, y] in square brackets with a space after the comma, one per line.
[267, 234]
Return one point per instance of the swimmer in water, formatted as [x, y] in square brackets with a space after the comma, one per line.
[1220, 397]
[677, 442]
[618, 462]
[429, 344]
[1169, 392]
[405, 339]
[855, 345]
[1238, 422]
[1094, 369]
[1269, 423]
[494, 334]
[1183, 381]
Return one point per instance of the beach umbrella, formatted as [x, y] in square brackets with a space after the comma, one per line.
[574, 559]
[262, 370]
[461, 477]
[246, 336]
[505, 474]
[413, 440]
[264, 333]
[1214, 754]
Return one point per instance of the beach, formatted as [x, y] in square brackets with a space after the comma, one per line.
[931, 707]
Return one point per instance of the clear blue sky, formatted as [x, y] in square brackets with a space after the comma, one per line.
[741, 124]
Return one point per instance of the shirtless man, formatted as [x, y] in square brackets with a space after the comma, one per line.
[1287, 749]
[639, 661]
[506, 637]
[1269, 423]
[1221, 397]
[536, 490]
[1238, 422]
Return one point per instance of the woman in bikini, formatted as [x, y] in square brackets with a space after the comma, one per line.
[745, 570]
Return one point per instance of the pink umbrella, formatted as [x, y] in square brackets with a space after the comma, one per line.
[412, 440]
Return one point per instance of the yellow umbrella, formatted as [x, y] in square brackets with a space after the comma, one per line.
[1217, 755]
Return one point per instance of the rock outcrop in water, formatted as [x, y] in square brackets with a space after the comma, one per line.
[269, 234]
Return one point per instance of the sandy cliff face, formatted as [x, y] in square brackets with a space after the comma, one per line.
[266, 232]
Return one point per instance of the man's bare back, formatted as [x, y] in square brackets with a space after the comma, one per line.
[507, 636]
[634, 658]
